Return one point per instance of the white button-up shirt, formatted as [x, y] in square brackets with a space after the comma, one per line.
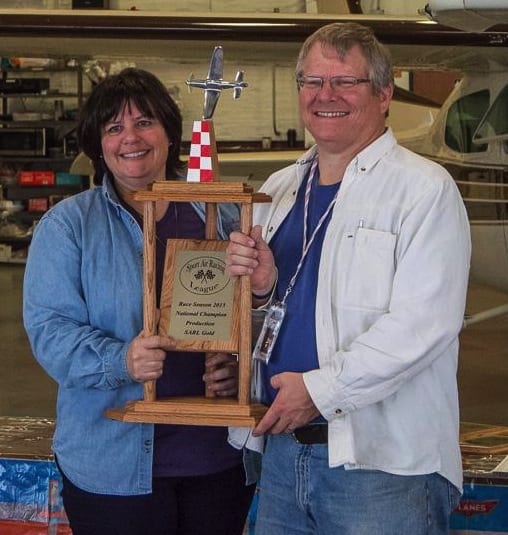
[389, 308]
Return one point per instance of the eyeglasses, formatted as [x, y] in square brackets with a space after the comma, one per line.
[315, 83]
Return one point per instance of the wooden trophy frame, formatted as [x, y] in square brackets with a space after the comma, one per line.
[207, 410]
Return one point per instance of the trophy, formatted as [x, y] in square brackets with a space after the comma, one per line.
[201, 307]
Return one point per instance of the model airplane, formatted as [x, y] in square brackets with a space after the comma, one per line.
[214, 84]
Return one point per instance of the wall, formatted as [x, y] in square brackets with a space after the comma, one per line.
[268, 107]
[393, 7]
[248, 118]
[388, 7]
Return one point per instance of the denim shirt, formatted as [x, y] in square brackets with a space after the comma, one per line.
[83, 305]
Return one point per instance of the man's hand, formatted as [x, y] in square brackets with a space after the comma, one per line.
[292, 407]
[221, 374]
[250, 255]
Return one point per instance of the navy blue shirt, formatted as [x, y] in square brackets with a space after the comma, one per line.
[295, 349]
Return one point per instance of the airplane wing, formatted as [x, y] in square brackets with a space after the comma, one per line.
[468, 15]
[216, 69]
[211, 99]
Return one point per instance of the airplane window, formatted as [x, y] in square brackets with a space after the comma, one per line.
[495, 123]
[462, 121]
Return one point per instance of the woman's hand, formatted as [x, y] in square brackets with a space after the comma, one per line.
[221, 374]
[146, 355]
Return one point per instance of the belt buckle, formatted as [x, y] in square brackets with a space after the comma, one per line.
[295, 438]
[317, 434]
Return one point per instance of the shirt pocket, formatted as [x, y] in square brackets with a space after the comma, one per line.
[369, 277]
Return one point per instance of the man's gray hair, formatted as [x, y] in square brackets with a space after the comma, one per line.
[344, 36]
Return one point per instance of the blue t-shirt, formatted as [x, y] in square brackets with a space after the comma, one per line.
[295, 349]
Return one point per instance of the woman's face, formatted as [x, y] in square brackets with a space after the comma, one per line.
[135, 148]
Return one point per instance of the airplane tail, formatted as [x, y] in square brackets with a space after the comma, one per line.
[239, 84]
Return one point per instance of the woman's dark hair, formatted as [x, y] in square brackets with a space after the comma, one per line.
[107, 100]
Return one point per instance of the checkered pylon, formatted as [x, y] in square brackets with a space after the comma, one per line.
[202, 165]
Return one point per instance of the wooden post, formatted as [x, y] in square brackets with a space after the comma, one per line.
[149, 291]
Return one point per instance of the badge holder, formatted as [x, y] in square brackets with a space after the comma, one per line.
[269, 332]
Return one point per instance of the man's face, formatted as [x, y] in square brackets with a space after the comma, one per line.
[341, 120]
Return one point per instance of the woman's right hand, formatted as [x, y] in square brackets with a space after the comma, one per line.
[146, 355]
[251, 255]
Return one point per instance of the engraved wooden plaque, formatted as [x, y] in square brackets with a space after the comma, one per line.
[199, 302]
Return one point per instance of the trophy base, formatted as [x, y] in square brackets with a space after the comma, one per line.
[220, 412]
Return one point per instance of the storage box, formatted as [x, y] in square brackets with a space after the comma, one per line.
[39, 204]
[5, 252]
[53, 199]
[36, 178]
[30, 502]
[483, 508]
[67, 179]
[24, 85]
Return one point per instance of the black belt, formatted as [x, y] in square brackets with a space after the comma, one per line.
[311, 434]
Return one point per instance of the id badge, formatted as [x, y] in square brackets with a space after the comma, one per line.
[269, 332]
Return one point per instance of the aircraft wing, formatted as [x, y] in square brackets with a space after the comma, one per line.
[211, 99]
[216, 69]
[469, 15]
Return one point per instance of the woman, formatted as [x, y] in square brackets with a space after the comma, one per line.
[83, 315]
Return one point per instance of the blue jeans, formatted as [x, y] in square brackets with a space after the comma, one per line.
[301, 495]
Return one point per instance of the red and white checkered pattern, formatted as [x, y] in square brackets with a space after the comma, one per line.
[200, 166]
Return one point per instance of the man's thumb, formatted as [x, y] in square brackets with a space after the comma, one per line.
[275, 382]
[256, 233]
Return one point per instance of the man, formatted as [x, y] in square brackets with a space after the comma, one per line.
[363, 266]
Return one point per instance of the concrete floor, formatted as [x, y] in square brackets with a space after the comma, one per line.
[25, 390]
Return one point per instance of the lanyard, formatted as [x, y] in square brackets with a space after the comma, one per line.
[307, 243]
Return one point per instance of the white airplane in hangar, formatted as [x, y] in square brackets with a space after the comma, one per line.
[469, 134]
